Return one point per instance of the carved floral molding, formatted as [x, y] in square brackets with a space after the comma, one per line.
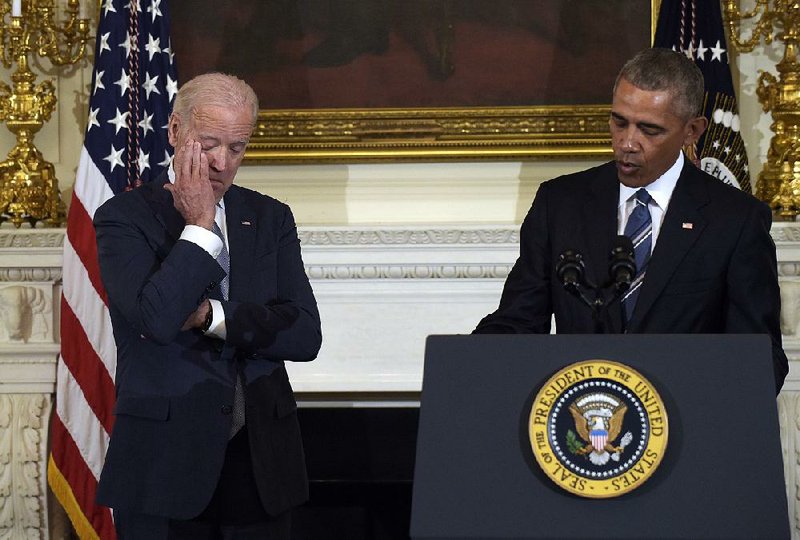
[23, 455]
[31, 238]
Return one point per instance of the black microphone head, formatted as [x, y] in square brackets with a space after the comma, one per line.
[623, 243]
[622, 264]
[570, 270]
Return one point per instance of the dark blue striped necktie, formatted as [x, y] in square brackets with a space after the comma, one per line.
[640, 230]
[224, 261]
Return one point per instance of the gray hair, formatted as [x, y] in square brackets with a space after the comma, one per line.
[218, 89]
[664, 70]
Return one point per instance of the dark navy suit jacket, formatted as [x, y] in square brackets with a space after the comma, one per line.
[175, 388]
[713, 269]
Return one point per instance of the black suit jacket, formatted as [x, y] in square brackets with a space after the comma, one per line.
[713, 269]
[175, 388]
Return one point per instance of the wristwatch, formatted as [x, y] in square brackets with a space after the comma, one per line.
[209, 318]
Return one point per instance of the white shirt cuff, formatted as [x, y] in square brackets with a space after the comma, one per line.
[204, 238]
[217, 328]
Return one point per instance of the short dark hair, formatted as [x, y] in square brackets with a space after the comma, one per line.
[666, 70]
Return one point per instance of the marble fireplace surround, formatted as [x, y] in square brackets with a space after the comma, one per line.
[381, 291]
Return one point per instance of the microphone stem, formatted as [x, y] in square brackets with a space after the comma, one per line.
[598, 308]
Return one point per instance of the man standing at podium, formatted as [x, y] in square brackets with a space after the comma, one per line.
[705, 261]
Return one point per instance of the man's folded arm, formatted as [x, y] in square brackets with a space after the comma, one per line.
[287, 328]
[155, 296]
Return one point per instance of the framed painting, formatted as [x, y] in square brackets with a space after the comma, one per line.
[389, 80]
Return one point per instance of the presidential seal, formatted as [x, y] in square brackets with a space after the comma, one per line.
[598, 428]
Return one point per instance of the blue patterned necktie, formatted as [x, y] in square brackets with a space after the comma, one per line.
[640, 230]
[224, 261]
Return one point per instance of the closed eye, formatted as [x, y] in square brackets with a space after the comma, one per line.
[651, 129]
[618, 120]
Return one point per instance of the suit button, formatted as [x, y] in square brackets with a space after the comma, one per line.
[227, 409]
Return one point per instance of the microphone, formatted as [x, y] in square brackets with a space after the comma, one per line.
[622, 265]
[570, 270]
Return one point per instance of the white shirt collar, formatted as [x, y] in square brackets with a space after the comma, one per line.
[661, 189]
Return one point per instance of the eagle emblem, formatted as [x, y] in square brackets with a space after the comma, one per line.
[608, 443]
[598, 421]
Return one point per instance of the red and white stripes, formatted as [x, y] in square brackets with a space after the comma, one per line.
[86, 367]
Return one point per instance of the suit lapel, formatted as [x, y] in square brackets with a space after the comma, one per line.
[160, 201]
[599, 216]
[242, 227]
[682, 226]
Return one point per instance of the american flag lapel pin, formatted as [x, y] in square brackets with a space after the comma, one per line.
[687, 225]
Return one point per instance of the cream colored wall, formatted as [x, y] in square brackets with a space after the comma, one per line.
[400, 193]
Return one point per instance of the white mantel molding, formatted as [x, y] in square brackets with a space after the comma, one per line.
[381, 291]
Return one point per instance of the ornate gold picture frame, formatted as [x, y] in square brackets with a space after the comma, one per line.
[342, 116]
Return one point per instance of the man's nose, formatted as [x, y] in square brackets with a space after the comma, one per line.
[216, 158]
[630, 141]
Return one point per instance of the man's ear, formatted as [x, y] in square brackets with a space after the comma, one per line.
[172, 129]
[694, 129]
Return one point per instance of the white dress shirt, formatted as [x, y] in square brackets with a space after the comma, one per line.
[661, 192]
[211, 243]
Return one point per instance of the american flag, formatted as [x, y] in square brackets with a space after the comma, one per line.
[694, 27]
[133, 87]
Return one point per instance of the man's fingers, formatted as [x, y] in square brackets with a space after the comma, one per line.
[192, 193]
[183, 157]
[196, 158]
[204, 167]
